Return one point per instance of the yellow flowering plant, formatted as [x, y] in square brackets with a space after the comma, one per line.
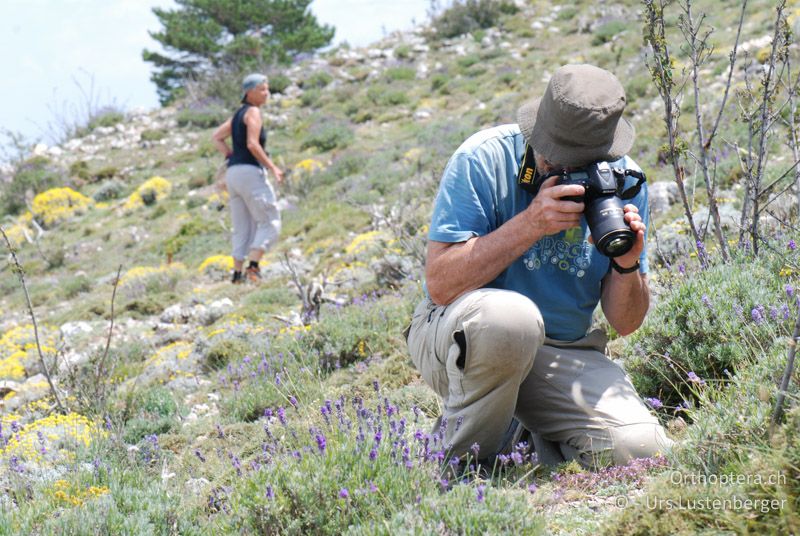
[151, 191]
[58, 204]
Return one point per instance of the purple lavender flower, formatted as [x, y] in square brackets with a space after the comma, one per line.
[459, 422]
[237, 464]
[475, 448]
[199, 455]
[376, 386]
[682, 269]
[293, 401]
[791, 245]
[277, 379]
[270, 494]
[694, 378]
[785, 311]
[15, 427]
[654, 403]
[773, 313]
[789, 290]
[373, 454]
[757, 316]
[40, 436]
[517, 458]
[343, 493]
[378, 437]
[15, 465]
[321, 442]
[282, 415]
[532, 488]
[481, 493]
[372, 487]
[706, 301]
[444, 483]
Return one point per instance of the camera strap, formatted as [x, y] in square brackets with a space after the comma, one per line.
[527, 172]
[629, 193]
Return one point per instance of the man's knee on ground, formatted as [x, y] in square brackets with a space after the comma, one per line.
[618, 445]
[507, 327]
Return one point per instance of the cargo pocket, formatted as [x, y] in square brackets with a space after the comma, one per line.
[422, 347]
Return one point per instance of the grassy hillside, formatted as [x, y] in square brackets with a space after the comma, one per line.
[210, 408]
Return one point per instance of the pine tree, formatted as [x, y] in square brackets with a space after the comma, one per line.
[202, 36]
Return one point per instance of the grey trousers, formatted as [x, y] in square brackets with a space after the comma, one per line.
[487, 357]
[254, 213]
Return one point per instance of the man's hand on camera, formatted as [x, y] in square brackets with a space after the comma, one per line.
[549, 214]
[634, 220]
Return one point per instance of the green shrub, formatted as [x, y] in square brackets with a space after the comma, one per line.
[332, 481]
[202, 116]
[106, 117]
[188, 231]
[278, 83]
[465, 62]
[372, 325]
[150, 304]
[153, 134]
[465, 16]
[567, 13]
[317, 80]
[154, 411]
[328, 134]
[728, 438]
[384, 96]
[112, 189]
[224, 352]
[710, 324]
[438, 81]
[80, 169]
[394, 74]
[403, 51]
[108, 172]
[608, 31]
[35, 175]
[311, 97]
[78, 284]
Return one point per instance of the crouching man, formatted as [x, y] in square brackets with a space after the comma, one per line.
[513, 277]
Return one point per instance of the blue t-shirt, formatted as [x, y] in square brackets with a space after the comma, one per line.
[560, 273]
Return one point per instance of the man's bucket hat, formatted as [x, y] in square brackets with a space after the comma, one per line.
[579, 119]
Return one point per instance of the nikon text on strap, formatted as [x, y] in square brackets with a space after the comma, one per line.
[527, 172]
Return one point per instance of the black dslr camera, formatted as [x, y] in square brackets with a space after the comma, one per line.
[605, 191]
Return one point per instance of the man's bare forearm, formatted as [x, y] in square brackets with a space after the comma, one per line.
[454, 269]
[625, 300]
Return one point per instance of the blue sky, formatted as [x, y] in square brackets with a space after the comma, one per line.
[53, 49]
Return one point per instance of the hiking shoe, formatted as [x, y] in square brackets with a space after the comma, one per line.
[237, 278]
[253, 274]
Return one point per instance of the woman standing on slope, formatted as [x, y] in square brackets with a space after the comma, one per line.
[254, 213]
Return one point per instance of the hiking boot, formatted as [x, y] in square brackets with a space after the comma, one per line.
[237, 278]
[253, 274]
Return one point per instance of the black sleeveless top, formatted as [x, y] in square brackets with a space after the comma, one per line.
[241, 154]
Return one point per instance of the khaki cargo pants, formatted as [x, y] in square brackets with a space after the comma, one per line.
[487, 357]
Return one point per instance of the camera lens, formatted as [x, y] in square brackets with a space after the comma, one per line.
[606, 218]
[616, 244]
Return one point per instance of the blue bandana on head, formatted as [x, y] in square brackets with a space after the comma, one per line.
[250, 81]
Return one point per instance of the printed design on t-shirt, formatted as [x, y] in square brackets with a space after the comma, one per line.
[568, 251]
